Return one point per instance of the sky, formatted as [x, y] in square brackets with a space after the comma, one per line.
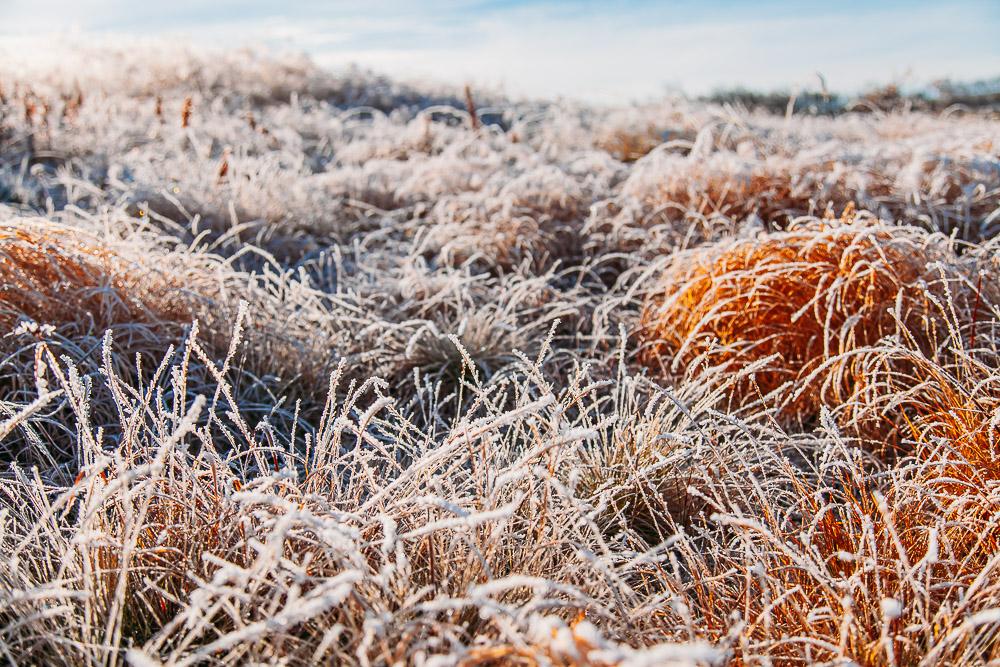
[604, 52]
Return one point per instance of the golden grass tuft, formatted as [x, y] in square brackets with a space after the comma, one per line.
[629, 146]
[51, 275]
[891, 569]
[795, 304]
[861, 580]
[892, 332]
[951, 417]
[879, 566]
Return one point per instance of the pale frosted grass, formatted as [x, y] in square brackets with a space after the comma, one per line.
[384, 405]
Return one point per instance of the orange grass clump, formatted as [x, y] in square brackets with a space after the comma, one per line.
[791, 302]
[951, 417]
[51, 276]
[881, 577]
[878, 567]
[167, 555]
[891, 571]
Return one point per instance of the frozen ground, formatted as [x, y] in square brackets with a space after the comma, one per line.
[302, 367]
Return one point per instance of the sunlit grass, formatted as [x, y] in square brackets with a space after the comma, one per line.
[302, 368]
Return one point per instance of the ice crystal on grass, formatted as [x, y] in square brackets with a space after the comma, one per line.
[303, 367]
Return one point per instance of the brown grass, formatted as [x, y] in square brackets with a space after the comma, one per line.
[629, 146]
[792, 303]
[772, 193]
[880, 564]
[950, 416]
[779, 189]
[575, 652]
[186, 111]
[51, 276]
[926, 542]
[470, 107]
[379, 457]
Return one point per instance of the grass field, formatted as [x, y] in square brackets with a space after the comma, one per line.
[301, 368]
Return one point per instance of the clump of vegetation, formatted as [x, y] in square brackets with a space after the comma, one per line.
[796, 306]
[61, 277]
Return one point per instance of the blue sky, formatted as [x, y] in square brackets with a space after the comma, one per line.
[608, 51]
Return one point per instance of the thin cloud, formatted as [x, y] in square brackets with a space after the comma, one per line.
[598, 52]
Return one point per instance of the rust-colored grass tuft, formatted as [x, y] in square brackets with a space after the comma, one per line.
[773, 194]
[51, 276]
[886, 571]
[950, 415]
[792, 303]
